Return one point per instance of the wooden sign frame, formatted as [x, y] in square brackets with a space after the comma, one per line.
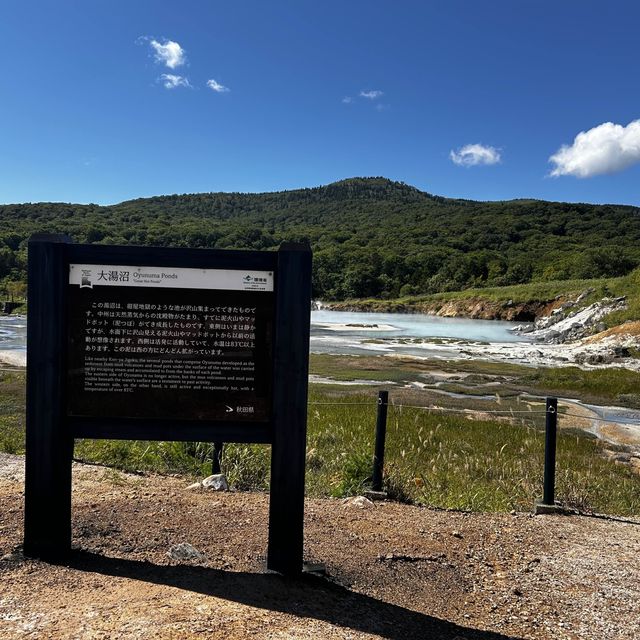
[50, 432]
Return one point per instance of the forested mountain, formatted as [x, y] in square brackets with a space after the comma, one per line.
[370, 236]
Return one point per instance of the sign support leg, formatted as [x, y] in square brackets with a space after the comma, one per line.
[49, 446]
[291, 371]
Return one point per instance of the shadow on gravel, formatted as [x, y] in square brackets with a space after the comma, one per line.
[307, 597]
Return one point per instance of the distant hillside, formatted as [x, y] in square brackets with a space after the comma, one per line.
[371, 236]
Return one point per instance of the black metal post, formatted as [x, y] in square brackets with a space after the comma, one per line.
[381, 433]
[217, 457]
[550, 451]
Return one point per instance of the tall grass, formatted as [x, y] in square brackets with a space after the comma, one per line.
[453, 462]
[12, 412]
[445, 461]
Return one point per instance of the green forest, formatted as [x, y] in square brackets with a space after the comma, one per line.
[371, 237]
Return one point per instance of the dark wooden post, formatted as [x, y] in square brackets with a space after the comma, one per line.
[49, 445]
[381, 433]
[548, 497]
[216, 457]
[291, 373]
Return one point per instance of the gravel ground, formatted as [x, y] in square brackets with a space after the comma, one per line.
[395, 571]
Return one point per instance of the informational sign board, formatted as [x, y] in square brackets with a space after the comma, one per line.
[143, 343]
[146, 341]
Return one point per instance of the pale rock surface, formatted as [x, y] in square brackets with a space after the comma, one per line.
[359, 501]
[564, 325]
[216, 482]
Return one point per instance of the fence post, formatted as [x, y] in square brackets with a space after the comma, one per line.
[216, 457]
[381, 432]
[551, 424]
[548, 504]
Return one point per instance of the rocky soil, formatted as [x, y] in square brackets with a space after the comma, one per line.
[394, 571]
[475, 308]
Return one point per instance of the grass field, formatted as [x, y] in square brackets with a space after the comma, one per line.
[454, 462]
[605, 385]
[12, 412]
[446, 461]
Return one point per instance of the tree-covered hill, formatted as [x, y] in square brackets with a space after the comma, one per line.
[371, 236]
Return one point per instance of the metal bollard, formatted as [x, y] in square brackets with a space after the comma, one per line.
[548, 497]
[381, 432]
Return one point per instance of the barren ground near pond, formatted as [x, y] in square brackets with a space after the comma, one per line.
[395, 571]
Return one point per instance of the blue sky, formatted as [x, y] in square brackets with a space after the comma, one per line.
[104, 101]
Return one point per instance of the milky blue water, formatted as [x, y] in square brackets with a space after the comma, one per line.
[417, 325]
[391, 332]
[13, 333]
[330, 332]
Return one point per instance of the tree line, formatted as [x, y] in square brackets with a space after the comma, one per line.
[370, 236]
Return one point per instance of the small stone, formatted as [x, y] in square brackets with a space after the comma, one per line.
[456, 534]
[359, 501]
[216, 482]
[185, 551]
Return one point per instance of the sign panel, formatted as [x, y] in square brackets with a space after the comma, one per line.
[172, 343]
[178, 353]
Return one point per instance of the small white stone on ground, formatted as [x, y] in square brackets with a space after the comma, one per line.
[359, 501]
[216, 482]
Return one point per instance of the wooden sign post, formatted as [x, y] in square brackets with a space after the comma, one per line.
[165, 344]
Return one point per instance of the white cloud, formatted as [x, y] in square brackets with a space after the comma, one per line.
[347, 100]
[217, 87]
[472, 155]
[171, 81]
[371, 95]
[606, 148]
[169, 53]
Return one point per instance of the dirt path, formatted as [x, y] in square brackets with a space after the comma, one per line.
[398, 572]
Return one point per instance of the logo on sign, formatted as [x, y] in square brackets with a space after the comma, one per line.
[85, 279]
